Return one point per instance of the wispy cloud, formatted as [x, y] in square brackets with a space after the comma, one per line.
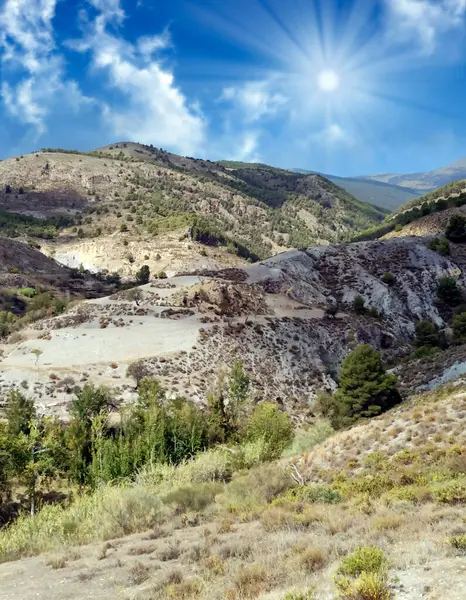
[32, 68]
[151, 108]
[256, 99]
[424, 21]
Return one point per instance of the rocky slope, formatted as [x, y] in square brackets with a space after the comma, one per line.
[138, 194]
[187, 330]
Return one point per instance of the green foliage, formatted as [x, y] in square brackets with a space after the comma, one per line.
[440, 245]
[448, 291]
[305, 439]
[90, 402]
[459, 328]
[451, 492]
[365, 559]
[238, 386]
[161, 275]
[314, 493]
[28, 292]
[428, 335]
[193, 497]
[20, 412]
[365, 390]
[143, 275]
[294, 595]
[458, 542]
[15, 224]
[272, 426]
[388, 278]
[456, 229]
[369, 586]
[358, 305]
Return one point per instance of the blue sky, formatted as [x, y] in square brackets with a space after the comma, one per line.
[340, 86]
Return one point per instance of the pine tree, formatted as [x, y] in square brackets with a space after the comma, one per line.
[365, 389]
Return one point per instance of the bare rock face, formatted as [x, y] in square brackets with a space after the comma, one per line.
[338, 273]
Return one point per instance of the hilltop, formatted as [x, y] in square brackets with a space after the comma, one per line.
[181, 212]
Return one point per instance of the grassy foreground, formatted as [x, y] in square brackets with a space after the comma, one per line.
[296, 529]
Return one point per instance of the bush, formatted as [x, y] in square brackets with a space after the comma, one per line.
[451, 492]
[143, 275]
[456, 229]
[194, 497]
[388, 278]
[358, 305]
[161, 275]
[440, 245]
[305, 439]
[448, 291]
[365, 389]
[294, 595]
[459, 327]
[271, 425]
[369, 586]
[429, 335]
[365, 559]
[458, 542]
[315, 493]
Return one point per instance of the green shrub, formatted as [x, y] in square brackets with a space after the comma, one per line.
[365, 559]
[451, 492]
[295, 595]
[456, 229]
[448, 291]
[28, 292]
[315, 493]
[193, 497]
[459, 327]
[440, 245]
[305, 439]
[458, 542]
[429, 335]
[369, 586]
[358, 305]
[271, 425]
[388, 278]
[161, 275]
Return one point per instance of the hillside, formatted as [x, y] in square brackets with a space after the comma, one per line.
[425, 181]
[378, 193]
[271, 315]
[394, 486]
[186, 213]
[429, 214]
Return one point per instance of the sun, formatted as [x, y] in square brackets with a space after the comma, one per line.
[328, 81]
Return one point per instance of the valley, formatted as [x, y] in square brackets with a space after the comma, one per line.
[179, 344]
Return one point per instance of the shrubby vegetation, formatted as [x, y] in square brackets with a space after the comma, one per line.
[423, 206]
[15, 224]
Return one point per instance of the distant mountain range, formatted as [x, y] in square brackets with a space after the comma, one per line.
[390, 190]
[424, 182]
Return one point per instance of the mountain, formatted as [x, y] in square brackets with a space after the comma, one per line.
[126, 203]
[375, 192]
[426, 181]
[272, 315]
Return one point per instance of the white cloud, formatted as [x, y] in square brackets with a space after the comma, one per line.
[333, 135]
[152, 108]
[425, 20]
[255, 99]
[29, 56]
